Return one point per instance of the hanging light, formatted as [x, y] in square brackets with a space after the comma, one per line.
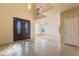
[29, 6]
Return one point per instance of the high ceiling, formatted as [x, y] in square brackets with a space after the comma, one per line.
[60, 6]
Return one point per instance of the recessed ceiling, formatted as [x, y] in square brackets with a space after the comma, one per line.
[60, 6]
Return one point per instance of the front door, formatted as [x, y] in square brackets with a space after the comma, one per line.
[21, 29]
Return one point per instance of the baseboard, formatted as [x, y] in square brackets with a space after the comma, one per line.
[6, 42]
[71, 45]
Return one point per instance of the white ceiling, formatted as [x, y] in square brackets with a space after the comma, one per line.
[65, 6]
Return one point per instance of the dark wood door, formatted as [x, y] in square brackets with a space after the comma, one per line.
[21, 29]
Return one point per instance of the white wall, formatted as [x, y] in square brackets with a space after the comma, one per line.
[52, 22]
[37, 28]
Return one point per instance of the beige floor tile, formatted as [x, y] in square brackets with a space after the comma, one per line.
[42, 46]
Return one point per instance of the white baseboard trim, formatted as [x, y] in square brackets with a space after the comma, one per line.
[5, 42]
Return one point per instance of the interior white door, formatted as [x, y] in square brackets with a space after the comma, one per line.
[71, 31]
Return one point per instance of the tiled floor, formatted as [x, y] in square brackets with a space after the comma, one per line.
[42, 46]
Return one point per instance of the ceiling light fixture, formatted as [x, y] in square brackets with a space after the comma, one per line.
[29, 6]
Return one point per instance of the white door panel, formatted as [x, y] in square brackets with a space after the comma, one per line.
[71, 31]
